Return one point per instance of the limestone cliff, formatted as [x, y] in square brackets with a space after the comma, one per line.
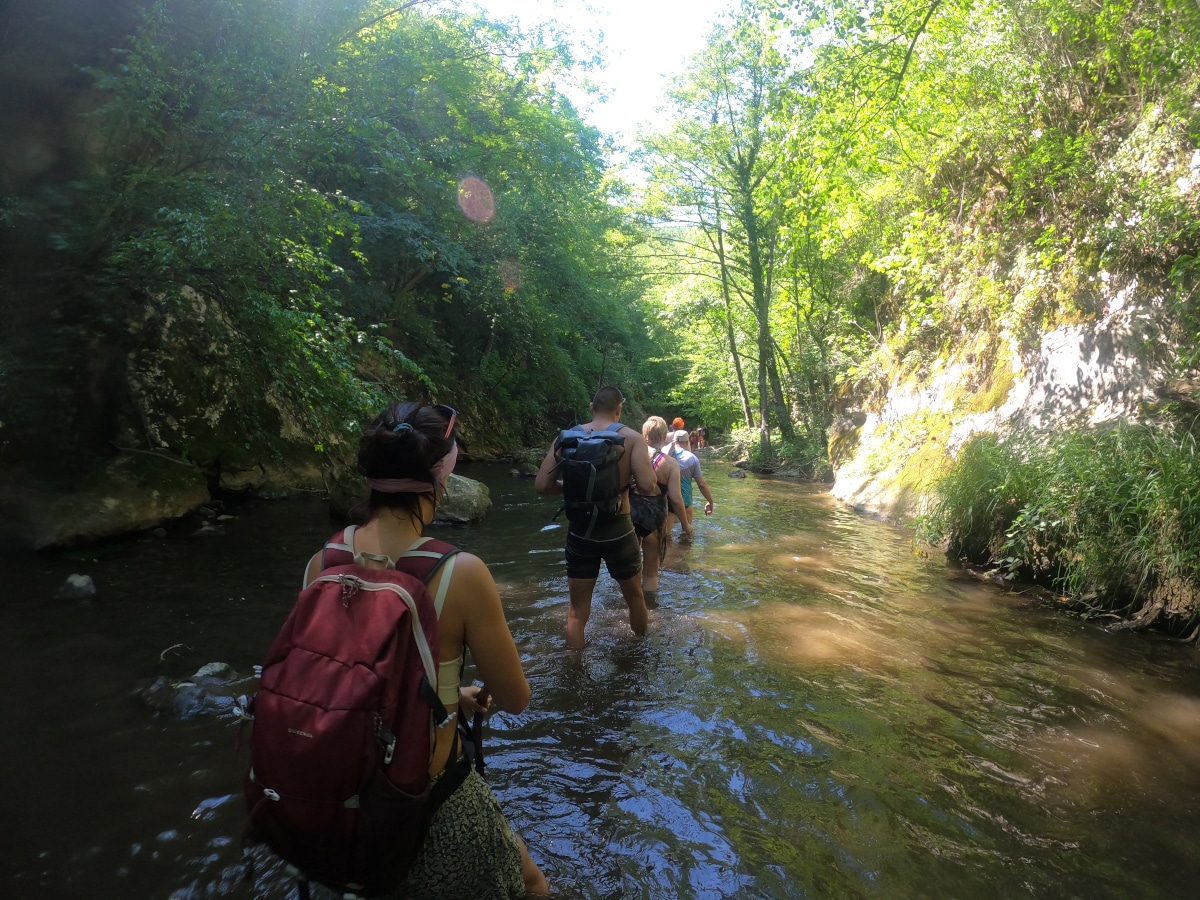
[888, 451]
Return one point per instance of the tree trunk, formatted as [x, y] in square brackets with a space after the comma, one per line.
[761, 311]
[747, 415]
[782, 412]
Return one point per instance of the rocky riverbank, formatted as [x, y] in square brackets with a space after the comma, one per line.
[889, 450]
[139, 491]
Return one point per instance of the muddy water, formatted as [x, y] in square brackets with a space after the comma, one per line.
[817, 712]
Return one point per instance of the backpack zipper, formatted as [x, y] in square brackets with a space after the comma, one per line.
[352, 584]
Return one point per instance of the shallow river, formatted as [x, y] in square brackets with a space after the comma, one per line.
[817, 712]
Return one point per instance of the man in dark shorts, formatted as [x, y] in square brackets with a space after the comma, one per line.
[608, 537]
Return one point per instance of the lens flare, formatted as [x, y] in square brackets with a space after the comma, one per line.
[509, 271]
[475, 200]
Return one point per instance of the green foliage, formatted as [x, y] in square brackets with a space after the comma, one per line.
[1004, 153]
[946, 170]
[798, 457]
[752, 228]
[269, 232]
[265, 201]
[1110, 516]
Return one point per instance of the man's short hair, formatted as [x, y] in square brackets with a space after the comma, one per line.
[607, 400]
[681, 437]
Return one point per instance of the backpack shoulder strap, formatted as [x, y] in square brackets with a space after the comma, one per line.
[426, 556]
[339, 549]
[414, 549]
[439, 599]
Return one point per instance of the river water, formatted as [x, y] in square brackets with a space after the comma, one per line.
[817, 711]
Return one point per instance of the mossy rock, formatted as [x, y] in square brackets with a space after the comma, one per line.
[995, 389]
[129, 493]
[844, 438]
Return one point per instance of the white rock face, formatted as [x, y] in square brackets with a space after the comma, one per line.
[1084, 374]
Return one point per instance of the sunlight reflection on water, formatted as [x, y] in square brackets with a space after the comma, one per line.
[817, 711]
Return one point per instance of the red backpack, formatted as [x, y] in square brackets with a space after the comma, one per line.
[344, 722]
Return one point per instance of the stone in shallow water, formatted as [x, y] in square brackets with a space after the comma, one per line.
[213, 690]
[129, 493]
[76, 587]
[466, 500]
[216, 670]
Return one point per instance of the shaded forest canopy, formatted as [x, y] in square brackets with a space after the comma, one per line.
[248, 221]
[229, 228]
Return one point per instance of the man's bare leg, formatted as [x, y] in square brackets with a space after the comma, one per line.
[631, 590]
[581, 590]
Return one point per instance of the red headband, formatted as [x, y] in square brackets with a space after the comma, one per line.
[441, 474]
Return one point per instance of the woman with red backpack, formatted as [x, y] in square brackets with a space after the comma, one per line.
[407, 455]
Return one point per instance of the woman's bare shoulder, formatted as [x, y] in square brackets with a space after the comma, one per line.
[471, 573]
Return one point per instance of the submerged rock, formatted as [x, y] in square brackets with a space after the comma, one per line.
[76, 587]
[213, 690]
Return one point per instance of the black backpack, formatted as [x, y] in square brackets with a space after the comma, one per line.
[591, 470]
[649, 511]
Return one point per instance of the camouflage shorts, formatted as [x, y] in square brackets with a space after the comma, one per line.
[471, 851]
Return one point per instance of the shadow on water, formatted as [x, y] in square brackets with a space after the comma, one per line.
[816, 712]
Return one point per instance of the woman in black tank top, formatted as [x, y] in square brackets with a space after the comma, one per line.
[654, 541]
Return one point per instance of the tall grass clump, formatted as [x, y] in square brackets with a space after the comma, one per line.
[1108, 517]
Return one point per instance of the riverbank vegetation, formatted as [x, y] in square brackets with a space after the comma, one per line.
[229, 228]
[859, 192]
[279, 214]
[1107, 517]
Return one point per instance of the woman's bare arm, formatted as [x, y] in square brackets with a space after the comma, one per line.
[675, 494]
[313, 569]
[487, 635]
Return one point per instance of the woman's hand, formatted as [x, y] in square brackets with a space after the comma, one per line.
[474, 699]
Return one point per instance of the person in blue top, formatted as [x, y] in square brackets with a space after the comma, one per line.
[689, 471]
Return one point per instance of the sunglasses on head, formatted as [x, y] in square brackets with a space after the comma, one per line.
[451, 417]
